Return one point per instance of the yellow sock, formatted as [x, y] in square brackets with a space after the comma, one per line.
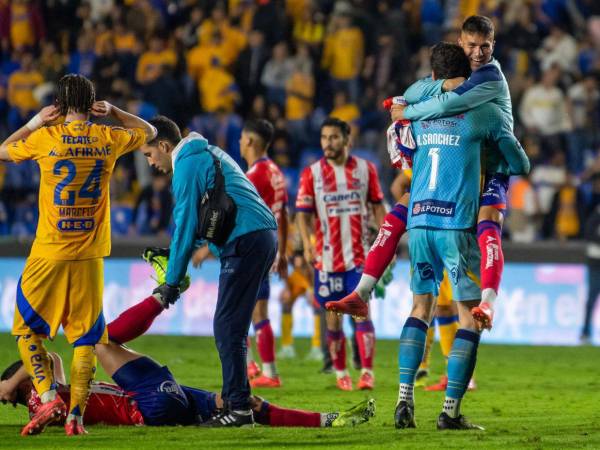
[83, 369]
[287, 323]
[38, 364]
[316, 337]
[427, 354]
[447, 327]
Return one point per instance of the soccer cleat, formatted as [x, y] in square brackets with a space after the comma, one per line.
[472, 385]
[229, 419]
[356, 415]
[158, 258]
[264, 381]
[404, 416]
[351, 304]
[421, 377]
[445, 422]
[315, 354]
[47, 413]
[366, 381]
[483, 315]
[74, 428]
[441, 386]
[344, 383]
[286, 352]
[253, 370]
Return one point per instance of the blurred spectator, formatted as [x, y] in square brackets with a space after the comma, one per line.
[218, 89]
[558, 48]
[149, 64]
[300, 91]
[309, 29]
[547, 177]
[543, 110]
[592, 237]
[107, 67]
[582, 107]
[51, 62]
[276, 73]
[250, 65]
[564, 219]
[82, 60]
[21, 84]
[224, 128]
[152, 212]
[343, 55]
[346, 110]
[523, 209]
[26, 23]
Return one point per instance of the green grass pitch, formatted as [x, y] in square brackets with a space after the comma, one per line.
[528, 397]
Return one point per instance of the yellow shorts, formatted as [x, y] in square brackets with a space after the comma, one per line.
[298, 284]
[445, 293]
[51, 293]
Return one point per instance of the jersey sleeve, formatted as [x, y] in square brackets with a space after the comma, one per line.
[26, 148]
[256, 177]
[305, 202]
[423, 89]
[483, 86]
[188, 185]
[375, 194]
[508, 146]
[127, 139]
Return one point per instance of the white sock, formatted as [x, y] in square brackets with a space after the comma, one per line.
[405, 393]
[341, 373]
[452, 407]
[328, 418]
[269, 369]
[365, 286]
[369, 371]
[48, 396]
[488, 295]
[79, 419]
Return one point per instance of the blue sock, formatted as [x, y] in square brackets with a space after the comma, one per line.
[461, 364]
[410, 355]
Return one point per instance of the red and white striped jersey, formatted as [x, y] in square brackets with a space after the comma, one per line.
[268, 180]
[107, 404]
[338, 196]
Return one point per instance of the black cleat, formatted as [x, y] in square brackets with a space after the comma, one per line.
[229, 419]
[327, 368]
[404, 416]
[445, 422]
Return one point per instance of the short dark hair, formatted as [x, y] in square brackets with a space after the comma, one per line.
[449, 61]
[75, 92]
[166, 130]
[11, 370]
[478, 25]
[263, 128]
[338, 123]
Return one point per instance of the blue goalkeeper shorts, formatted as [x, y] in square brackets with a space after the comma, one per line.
[431, 250]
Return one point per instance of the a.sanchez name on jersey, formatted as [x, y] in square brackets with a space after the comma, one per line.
[338, 195]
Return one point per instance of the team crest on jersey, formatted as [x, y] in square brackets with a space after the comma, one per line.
[169, 387]
[434, 207]
[323, 291]
[425, 271]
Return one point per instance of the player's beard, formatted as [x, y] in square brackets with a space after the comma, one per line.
[333, 154]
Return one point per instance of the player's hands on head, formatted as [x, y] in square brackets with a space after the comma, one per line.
[49, 114]
[101, 108]
[168, 294]
[397, 112]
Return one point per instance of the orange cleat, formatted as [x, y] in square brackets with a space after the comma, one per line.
[483, 315]
[441, 386]
[47, 413]
[351, 304]
[253, 370]
[74, 428]
[345, 383]
[366, 381]
[264, 381]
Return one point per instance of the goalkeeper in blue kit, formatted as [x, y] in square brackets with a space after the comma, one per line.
[442, 213]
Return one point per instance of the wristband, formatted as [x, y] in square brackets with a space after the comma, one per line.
[35, 123]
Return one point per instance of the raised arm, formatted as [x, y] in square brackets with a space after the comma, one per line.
[103, 108]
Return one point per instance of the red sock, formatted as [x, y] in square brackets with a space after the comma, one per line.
[265, 342]
[135, 321]
[384, 248]
[492, 259]
[282, 417]
[365, 335]
[336, 342]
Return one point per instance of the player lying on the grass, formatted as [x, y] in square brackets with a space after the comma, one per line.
[486, 84]
[146, 393]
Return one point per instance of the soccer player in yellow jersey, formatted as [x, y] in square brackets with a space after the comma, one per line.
[62, 282]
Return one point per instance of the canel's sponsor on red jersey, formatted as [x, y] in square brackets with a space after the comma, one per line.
[338, 195]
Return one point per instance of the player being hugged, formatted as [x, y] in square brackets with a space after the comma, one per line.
[62, 282]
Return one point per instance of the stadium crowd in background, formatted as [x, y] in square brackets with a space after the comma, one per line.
[211, 64]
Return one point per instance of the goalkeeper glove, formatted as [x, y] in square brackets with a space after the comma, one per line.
[166, 294]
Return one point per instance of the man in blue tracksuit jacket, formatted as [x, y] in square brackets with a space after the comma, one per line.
[246, 257]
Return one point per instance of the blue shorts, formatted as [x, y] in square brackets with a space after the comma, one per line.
[432, 250]
[264, 291]
[494, 191]
[332, 286]
[160, 399]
